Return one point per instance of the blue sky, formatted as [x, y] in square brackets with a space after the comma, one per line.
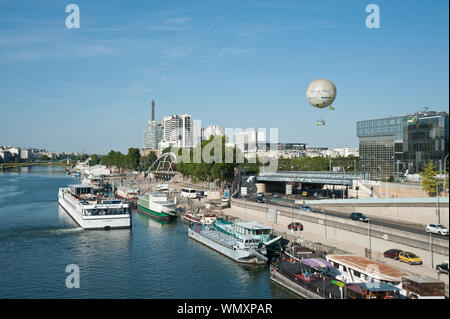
[243, 64]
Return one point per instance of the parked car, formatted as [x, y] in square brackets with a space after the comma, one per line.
[260, 194]
[296, 226]
[305, 194]
[275, 194]
[307, 208]
[392, 253]
[442, 268]
[409, 258]
[260, 200]
[225, 199]
[437, 229]
[359, 217]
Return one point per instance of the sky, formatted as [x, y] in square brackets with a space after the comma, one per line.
[237, 64]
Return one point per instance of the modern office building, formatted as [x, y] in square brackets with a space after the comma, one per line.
[153, 134]
[397, 145]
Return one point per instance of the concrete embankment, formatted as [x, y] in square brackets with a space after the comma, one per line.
[351, 236]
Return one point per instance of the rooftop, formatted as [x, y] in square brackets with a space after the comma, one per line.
[422, 280]
[364, 265]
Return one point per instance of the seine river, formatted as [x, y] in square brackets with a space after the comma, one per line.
[38, 240]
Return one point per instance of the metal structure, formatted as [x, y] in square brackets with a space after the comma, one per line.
[329, 178]
[168, 157]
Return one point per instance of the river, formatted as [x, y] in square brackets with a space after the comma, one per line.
[38, 240]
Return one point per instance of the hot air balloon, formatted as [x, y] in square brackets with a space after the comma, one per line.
[321, 93]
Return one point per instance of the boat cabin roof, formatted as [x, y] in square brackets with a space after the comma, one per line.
[316, 263]
[422, 280]
[251, 225]
[363, 265]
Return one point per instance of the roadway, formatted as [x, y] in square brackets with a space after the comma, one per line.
[374, 221]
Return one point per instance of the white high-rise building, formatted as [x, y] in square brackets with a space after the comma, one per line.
[177, 130]
[212, 130]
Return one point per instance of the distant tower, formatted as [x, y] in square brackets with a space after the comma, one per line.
[153, 109]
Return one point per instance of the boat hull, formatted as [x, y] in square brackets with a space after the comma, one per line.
[241, 256]
[159, 216]
[94, 222]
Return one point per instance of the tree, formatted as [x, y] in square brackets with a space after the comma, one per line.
[94, 158]
[429, 179]
[44, 158]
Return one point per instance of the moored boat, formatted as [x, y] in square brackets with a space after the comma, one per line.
[264, 234]
[157, 205]
[128, 194]
[243, 249]
[92, 211]
[206, 218]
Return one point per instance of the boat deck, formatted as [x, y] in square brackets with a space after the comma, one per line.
[220, 238]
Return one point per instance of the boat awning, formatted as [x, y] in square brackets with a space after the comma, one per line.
[316, 263]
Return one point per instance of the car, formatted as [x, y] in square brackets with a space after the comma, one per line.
[307, 208]
[442, 268]
[295, 226]
[392, 253]
[225, 199]
[260, 194]
[275, 194]
[437, 229]
[305, 194]
[260, 200]
[359, 217]
[409, 258]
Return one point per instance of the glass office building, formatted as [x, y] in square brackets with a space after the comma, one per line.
[393, 146]
[426, 138]
[153, 135]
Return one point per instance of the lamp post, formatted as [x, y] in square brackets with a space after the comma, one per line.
[445, 172]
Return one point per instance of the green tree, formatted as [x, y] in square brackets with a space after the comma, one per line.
[429, 179]
[44, 158]
[95, 159]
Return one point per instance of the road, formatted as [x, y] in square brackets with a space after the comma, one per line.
[374, 221]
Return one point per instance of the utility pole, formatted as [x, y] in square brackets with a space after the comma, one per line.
[437, 203]
[445, 174]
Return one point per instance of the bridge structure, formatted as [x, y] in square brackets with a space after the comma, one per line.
[16, 165]
[327, 178]
[162, 168]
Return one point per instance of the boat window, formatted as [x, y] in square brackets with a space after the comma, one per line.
[356, 273]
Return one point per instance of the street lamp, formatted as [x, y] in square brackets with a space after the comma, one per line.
[445, 171]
